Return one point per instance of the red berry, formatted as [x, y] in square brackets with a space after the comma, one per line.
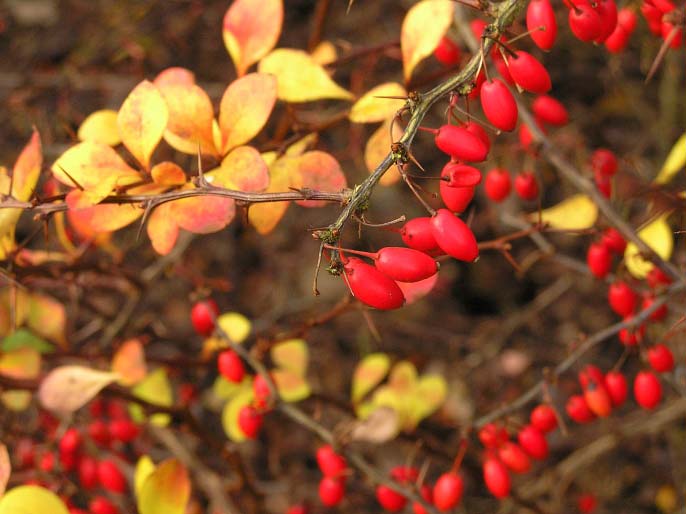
[529, 73]
[405, 264]
[202, 317]
[599, 260]
[331, 491]
[460, 175]
[647, 390]
[627, 19]
[604, 162]
[456, 198]
[101, 505]
[613, 241]
[631, 336]
[68, 460]
[549, 110]
[607, 10]
[230, 366]
[297, 509]
[461, 144]
[617, 388]
[88, 472]
[533, 442]
[25, 452]
[603, 183]
[499, 105]
[526, 186]
[577, 409]
[99, 432]
[512, 455]
[187, 393]
[427, 494]
[250, 421]
[658, 314]
[585, 22]
[497, 184]
[46, 462]
[453, 236]
[372, 287]
[492, 436]
[661, 358]
[622, 298]
[617, 41]
[587, 503]
[261, 392]
[330, 463]
[417, 234]
[447, 52]
[590, 374]
[476, 129]
[70, 442]
[123, 430]
[110, 477]
[447, 491]
[540, 15]
[598, 399]
[117, 410]
[496, 477]
[656, 277]
[75, 510]
[502, 67]
[389, 499]
[404, 474]
[543, 418]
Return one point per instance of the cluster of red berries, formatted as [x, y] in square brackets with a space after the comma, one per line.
[604, 165]
[498, 185]
[599, 254]
[334, 467]
[665, 20]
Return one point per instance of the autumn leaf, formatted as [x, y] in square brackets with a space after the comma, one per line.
[21, 363]
[203, 214]
[100, 127]
[245, 108]
[370, 108]
[29, 499]
[174, 76]
[129, 362]
[300, 78]
[292, 387]
[578, 212]
[162, 229]
[675, 161]
[168, 173]
[378, 147]
[236, 326]
[165, 490]
[47, 318]
[324, 53]
[319, 171]
[156, 389]
[250, 30]
[68, 388]
[243, 169]
[244, 396]
[368, 374]
[142, 120]
[423, 27]
[657, 235]
[291, 355]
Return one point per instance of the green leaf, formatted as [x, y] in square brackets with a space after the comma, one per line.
[31, 499]
[291, 355]
[368, 374]
[225, 390]
[166, 490]
[154, 388]
[23, 338]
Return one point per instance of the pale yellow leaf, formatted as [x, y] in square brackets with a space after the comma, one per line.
[166, 490]
[676, 160]
[324, 53]
[144, 467]
[370, 108]
[577, 212]
[68, 388]
[657, 235]
[378, 147]
[230, 414]
[100, 127]
[236, 326]
[155, 388]
[31, 499]
[423, 27]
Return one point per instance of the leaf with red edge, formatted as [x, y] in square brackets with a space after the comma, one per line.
[292, 387]
[320, 171]
[162, 229]
[174, 76]
[129, 362]
[423, 27]
[245, 108]
[168, 173]
[142, 120]
[243, 169]
[203, 214]
[102, 217]
[21, 363]
[284, 173]
[48, 318]
[250, 30]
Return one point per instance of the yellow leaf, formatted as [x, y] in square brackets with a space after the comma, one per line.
[168, 173]
[245, 108]
[302, 145]
[236, 326]
[144, 467]
[16, 400]
[129, 362]
[155, 388]
[291, 355]
[370, 108]
[423, 27]
[675, 161]
[68, 388]
[31, 499]
[166, 490]
[431, 393]
[368, 374]
[250, 30]
[299, 78]
[162, 229]
[658, 236]
[225, 390]
[142, 120]
[324, 53]
[47, 318]
[319, 171]
[577, 212]
[203, 214]
[283, 174]
[230, 414]
[292, 387]
[20, 363]
[100, 127]
[243, 169]
[403, 377]
[377, 148]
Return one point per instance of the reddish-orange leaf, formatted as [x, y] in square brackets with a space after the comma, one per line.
[243, 169]
[102, 217]
[251, 29]
[203, 214]
[162, 229]
[174, 77]
[168, 173]
[320, 171]
[283, 173]
[245, 108]
[129, 362]
[141, 120]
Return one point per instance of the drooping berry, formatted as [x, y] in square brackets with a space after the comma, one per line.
[585, 22]
[613, 241]
[123, 430]
[499, 105]
[389, 499]
[647, 390]
[543, 418]
[101, 505]
[460, 144]
[372, 287]
[405, 264]
[607, 10]
[633, 335]
[497, 184]
[88, 472]
[622, 298]
[331, 491]
[598, 399]
[526, 186]
[496, 477]
[492, 435]
[99, 432]
[110, 477]
[476, 129]
[533, 442]
[70, 441]
[661, 358]
[549, 110]
[230, 366]
[330, 463]
[447, 491]
[541, 23]
[427, 494]
[250, 421]
[529, 73]
[447, 52]
[590, 374]
[577, 409]
[656, 278]
[458, 190]
[203, 314]
[417, 234]
[617, 387]
[453, 236]
[261, 392]
[658, 314]
[604, 162]
[599, 260]
[514, 457]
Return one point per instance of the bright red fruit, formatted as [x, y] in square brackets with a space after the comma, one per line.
[461, 144]
[417, 234]
[499, 105]
[656, 278]
[607, 10]
[614, 241]
[453, 236]
[427, 494]
[458, 190]
[590, 374]
[631, 336]
[101, 505]
[110, 477]
[70, 441]
[533, 442]
[456, 198]
[514, 457]
[25, 452]
[330, 463]
[540, 15]
[578, 410]
[587, 503]
[622, 298]
[230, 366]
[529, 73]
[585, 22]
[261, 392]
[297, 509]
[331, 491]
[543, 418]
[447, 52]
[480, 132]
[617, 41]
[599, 260]
[123, 430]
[627, 19]
[617, 388]
[99, 432]
[88, 472]
[389, 499]
[372, 287]
[496, 477]
[604, 162]
[526, 186]
[74, 510]
[203, 314]
[250, 421]
[404, 473]
[661, 358]
[598, 399]
[46, 462]
[497, 184]
[658, 314]
[647, 390]
[447, 491]
[405, 264]
[549, 110]
[492, 435]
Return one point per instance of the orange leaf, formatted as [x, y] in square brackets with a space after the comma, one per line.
[283, 173]
[370, 108]
[101, 218]
[141, 120]
[320, 171]
[325, 53]
[168, 173]
[423, 27]
[245, 108]
[162, 229]
[250, 30]
[243, 169]
[174, 77]
[377, 148]
[203, 214]
[129, 362]
[100, 127]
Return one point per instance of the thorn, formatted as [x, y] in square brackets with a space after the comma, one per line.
[73, 180]
[414, 160]
[661, 53]
[316, 270]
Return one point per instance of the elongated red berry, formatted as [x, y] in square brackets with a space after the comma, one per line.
[202, 316]
[549, 110]
[372, 287]
[87, 471]
[590, 374]
[543, 418]
[101, 505]
[598, 399]
[389, 499]
[658, 314]
[230, 366]
[497, 184]
[586, 503]
[526, 186]
[533, 442]
[427, 494]
[614, 241]
[461, 144]
[631, 336]
[618, 40]
[647, 390]
[622, 298]
[585, 22]
[405, 264]
[657, 278]
[476, 129]
[453, 236]
[447, 491]
[617, 387]
[250, 421]
[417, 234]
[460, 175]
[528, 73]
[514, 457]
[607, 10]
[604, 162]
[661, 358]
[627, 19]
[541, 23]
[70, 441]
[99, 432]
[110, 477]
[496, 477]
[457, 192]
[492, 435]
[577, 409]
[330, 463]
[499, 105]
[447, 52]
[261, 392]
[599, 260]
[331, 491]
[123, 430]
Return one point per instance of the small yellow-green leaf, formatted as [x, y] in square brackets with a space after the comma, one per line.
[368, 374]
[100, 127]
[68, 388]
[431, 393]
[155, 388]
[236, 326]
[577, 212]
[144, 467]
[230, 414]
[675, 161]
[300, 78]
[423, 27]
[225, 390]
[403, 377]
[292, 387]
[378, 147]
[16, 400]
[31, 499]
[658, 236]
[291, 355]
[20, 363]
[166, 490]
[370, 108]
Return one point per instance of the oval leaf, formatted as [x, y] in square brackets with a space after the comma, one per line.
[423, 27]
[370, 108]
[291, 355]
[378, 147]
[100, 127]
[20, 363]
[129, 362]
[236, 326]
[68, 388]
[578, 212]
[319, 171]
[155, 388]
[144, 467]
[403, 377]
[230, 413]
[431, 393]
[292, 386]
[658, 236]
[283, 174]
[48, 318]
[203, 214]
[162, 229]
[368, 374]
[30, 499]
[166, 490]
[243, 169]
[168, 173]
[675, 161]
[380, 426]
